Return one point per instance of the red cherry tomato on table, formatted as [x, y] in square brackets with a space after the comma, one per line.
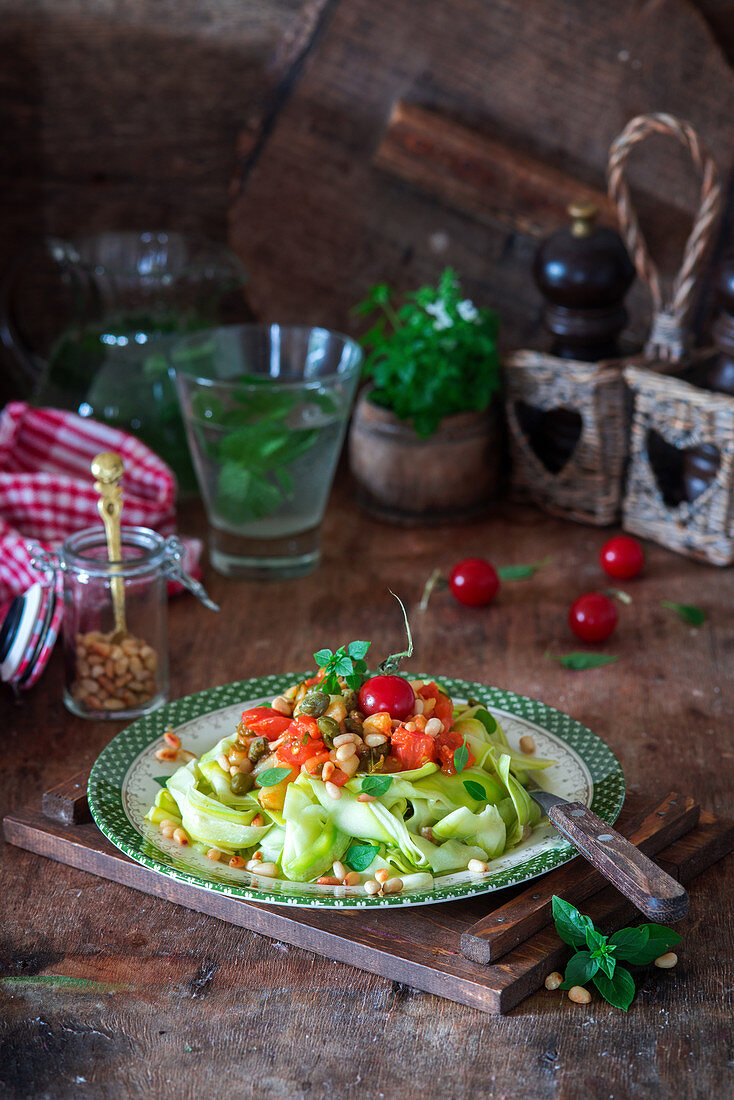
[622, 557]
[387, 693]
[474, 582]
[592, 617]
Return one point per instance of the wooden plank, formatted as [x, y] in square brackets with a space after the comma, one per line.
[513, 922]
[475, 173]
[416, 946]
[67, 803]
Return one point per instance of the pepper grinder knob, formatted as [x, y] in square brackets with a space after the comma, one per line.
[584, 272]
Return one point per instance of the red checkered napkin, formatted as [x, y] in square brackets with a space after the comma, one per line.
[47, 491]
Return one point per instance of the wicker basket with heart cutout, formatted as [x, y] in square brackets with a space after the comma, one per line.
[586, 406]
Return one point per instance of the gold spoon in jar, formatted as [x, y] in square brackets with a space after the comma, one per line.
[107, 469]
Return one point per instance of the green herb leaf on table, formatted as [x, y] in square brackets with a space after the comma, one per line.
[520, 572]
[594, 939]
[376, 784]
[580, 661]
[461, 758]
[688, 612]
[581, 969]
[360, 856]
[571, 925]
[475, 790]
[272, 776]
[659, 940]
[619, 990]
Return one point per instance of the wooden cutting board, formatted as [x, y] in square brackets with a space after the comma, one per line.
[421, 946]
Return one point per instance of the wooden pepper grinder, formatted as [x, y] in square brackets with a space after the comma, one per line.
[584, 272]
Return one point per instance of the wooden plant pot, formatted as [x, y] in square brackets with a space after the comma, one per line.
[403, 479]
[568, 427]
[680, 429]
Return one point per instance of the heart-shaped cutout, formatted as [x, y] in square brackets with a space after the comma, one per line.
[681, 473]
[552, 433]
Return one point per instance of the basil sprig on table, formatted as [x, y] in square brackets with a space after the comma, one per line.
[688, 612]
[520, 572]
[597, 957]
[580, 660]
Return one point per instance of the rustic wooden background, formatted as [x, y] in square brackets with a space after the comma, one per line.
[267, 122]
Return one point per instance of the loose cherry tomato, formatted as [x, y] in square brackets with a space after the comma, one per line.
[412, 748]
[622, 557]
[446, 745]
[592, 617]
[264, 722]
[474, 582]
[390, 693]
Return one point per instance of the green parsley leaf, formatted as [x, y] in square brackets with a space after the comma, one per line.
[358, 650]
[580, 661]
[323, 657]
[581, 969]
[360, 856]
[618, 990]
[486, 719]
[520, 572]
[570, 925]
[688, 612]
[272, 776]
[161, 780]
[376, 784]
[461, 758]
[475, 790]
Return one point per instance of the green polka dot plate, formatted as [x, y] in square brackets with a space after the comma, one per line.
[123, 785]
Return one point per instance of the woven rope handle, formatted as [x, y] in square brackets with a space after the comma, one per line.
[667, 334]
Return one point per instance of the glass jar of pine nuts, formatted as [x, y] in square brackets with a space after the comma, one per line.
[116, 652]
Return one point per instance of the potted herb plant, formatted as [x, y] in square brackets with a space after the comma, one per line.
[425, 440]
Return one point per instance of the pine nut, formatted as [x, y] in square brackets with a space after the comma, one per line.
[165, 753]
[167, 828]
[349, 766]
[477, 866]
[281, 706]
[328, 880]
[345, 751]
[257, 821]
[339, 870]
[252, 864]
[393, 886]
[237, 862]
[332, 790]
[527, 745]
[667, 961]
[434, 726]
[186, 756]
[374, 740]
[344, 739]
[237, 757]
[328, 770]
[364, 797]
[353, 878]
[214, 854]
[553, 980]
[268, 870]
[579, 995]
[382, 875]
[371, 887]
[411, 727]
[223, 762]
[418, 706]
[180, 837]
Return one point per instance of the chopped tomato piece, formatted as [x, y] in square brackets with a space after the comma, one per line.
[412, 748]
[444, 709]
[339, 778]
[264, 722]
[302, 741]
[315, 679]
[446, 745]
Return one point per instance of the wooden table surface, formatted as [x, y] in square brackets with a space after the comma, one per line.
[106, 992]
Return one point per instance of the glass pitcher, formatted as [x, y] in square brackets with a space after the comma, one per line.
[91, 321]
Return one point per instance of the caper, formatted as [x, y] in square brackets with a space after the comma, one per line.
[314, 703]
[241, 783]
[257, 748]
[353, 722]
[370, 760]
[329, 728]
[351, 699]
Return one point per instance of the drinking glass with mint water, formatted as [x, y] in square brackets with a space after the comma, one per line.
[265, 409]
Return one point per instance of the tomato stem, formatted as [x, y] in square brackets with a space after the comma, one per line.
[393, 662]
